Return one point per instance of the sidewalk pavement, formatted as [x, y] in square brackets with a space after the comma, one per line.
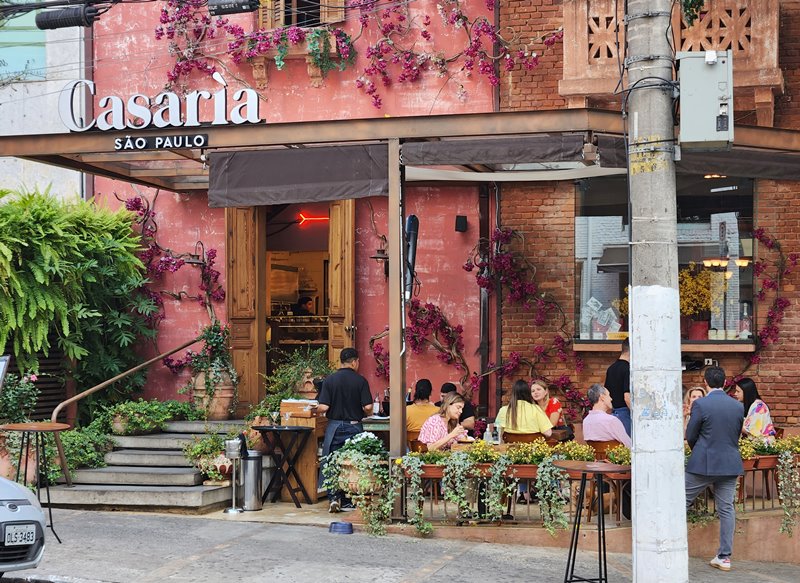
[127, 547]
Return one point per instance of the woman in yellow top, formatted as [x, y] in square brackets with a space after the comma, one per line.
[422, 408]
[521, 415]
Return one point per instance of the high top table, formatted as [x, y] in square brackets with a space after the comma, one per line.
[285, 443]
[598, 470]
[38, 429]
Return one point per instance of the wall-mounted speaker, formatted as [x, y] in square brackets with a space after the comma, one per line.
[461, 223]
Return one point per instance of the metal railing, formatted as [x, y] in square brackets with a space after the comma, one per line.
[53, 418]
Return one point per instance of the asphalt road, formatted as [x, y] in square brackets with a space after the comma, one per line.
[125, 547]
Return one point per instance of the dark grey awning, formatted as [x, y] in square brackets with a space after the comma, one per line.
[615, 257]
[507, 150]
[264, 177]
[739, 162]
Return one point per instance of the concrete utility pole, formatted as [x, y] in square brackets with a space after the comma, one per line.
[659, 521]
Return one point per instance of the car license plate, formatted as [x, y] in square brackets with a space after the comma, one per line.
[20, 534]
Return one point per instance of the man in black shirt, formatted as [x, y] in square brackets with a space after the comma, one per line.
[618, 383]
[345, 399]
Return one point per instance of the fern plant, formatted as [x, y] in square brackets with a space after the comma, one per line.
[70, 275]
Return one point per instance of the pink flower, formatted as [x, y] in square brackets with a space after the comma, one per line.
[34, 378]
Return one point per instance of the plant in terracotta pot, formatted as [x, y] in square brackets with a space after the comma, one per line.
[748, 452]
[207, 455]
[293, 377]
[215, 379]
[361, 469]
[138, 417]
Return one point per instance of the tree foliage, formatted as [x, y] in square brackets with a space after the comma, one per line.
[69, 274]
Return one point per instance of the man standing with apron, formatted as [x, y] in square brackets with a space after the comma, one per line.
[345, 399]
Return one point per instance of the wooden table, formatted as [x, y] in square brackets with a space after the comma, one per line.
[286, 443]
[596, 469]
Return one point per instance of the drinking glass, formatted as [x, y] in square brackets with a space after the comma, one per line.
[276, 417]
[286, 417]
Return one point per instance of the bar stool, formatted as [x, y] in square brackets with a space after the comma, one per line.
[38, 429]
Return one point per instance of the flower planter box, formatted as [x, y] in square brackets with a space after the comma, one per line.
[432, 472]
[352, 481]
[767, 462]
[749, 464]
[523, 471]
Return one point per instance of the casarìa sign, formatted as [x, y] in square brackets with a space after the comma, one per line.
[165, 110]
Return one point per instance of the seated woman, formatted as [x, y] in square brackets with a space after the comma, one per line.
[689, 397]
[521, 415]
[442, 429]
[422, 408]
[551, 407]
[757, 420]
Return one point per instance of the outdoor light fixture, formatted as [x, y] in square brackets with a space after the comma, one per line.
[382, 257]
[222, 7]
[67, 17]
[199, 255]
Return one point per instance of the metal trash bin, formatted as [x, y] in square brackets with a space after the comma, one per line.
[252, 487]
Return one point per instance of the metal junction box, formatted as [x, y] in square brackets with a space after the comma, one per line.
[706, 100]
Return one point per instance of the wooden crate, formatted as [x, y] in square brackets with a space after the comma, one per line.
[297, 409]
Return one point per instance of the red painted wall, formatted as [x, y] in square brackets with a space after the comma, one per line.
[441, 251]
[128, 60]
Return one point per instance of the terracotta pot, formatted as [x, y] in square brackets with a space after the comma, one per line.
[8, 463]
[349, 478]
[523, 471]
[432, 471]
[698, 330]
[254, 438]
[749, 464]
[767, 462]
[218, 406]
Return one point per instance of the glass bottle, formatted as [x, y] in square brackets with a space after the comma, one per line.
[745, 323]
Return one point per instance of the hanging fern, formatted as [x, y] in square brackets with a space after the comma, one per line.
[69, 274]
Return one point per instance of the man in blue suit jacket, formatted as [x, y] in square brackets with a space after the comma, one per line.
[713, 431]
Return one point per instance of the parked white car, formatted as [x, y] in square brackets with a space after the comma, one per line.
[22, 522]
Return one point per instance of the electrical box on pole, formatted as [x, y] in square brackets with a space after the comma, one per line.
[706, 100]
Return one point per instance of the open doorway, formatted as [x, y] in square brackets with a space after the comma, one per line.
[309, 292]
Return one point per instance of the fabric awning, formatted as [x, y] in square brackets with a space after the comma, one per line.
[281, 176]
[615, 257]
[506, 150]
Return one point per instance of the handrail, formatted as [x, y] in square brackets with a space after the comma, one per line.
[96, 388]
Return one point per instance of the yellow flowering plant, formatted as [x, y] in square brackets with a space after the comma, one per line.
[529, 453]
[572, 450]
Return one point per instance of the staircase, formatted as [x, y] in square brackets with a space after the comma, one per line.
[148, 472]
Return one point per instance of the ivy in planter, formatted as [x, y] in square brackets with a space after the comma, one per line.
[789, 485]
[411, 466]
[548, 489]
[361, 469]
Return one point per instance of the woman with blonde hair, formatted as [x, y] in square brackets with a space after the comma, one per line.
[689, 397]
[442, 429]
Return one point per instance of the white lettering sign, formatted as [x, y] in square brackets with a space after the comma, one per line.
[165, 110]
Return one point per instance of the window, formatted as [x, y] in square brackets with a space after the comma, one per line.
[22, 49]
[715, 251]
[305, 13]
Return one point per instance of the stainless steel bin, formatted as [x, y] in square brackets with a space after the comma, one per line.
[252, 487]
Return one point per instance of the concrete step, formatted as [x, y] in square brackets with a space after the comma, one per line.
[146, 457]
[196, 498]
[139, 476]
[153, 441]
[203, 427]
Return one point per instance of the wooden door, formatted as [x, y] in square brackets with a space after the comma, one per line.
[341, 277]
[246, 281]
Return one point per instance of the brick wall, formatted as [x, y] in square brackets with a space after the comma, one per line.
[787, 106]
[536, 89]
[545, 213]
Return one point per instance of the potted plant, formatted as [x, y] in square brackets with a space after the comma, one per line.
[207, 455]
[767, 452]
[525, 457]
[619, 455]
[138, 417]
[360, 468]
[215, 379]
[293, 377]
[748, 452]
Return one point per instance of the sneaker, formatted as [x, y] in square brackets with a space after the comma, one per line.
[347, 507]
[721, 563]
[334, 507]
